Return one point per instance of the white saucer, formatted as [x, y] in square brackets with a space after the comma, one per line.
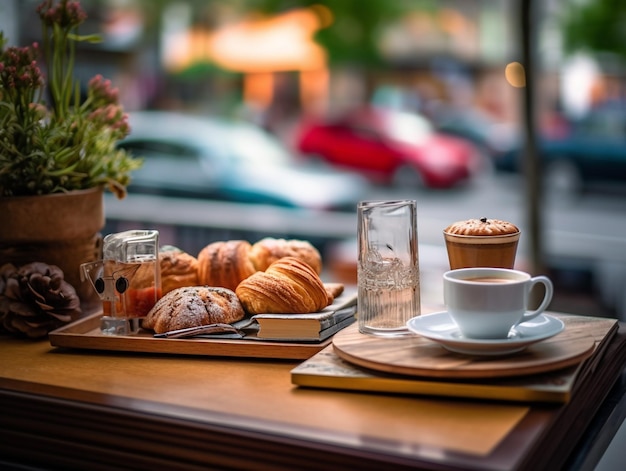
[440, 328]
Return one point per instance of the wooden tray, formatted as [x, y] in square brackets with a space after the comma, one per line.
[85, 333]
[417, 356]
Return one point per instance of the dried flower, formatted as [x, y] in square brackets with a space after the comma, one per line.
[69, 143]
[35, 299]
[68, 15]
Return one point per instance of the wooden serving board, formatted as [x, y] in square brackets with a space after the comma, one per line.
[417, 356]
[85, 334]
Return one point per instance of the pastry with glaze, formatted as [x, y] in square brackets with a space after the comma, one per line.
[194, 306]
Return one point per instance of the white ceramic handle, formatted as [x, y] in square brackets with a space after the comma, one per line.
[547, 297]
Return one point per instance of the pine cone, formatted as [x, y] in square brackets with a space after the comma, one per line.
[35, 299]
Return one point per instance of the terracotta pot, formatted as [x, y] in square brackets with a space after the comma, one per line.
[60, 229]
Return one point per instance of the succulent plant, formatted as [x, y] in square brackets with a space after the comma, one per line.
[69, 141]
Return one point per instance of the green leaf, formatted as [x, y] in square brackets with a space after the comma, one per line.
[90, 38]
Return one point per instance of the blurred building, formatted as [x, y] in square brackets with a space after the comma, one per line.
[223, 57]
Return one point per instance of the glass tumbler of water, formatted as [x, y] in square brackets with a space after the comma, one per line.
[388, 267]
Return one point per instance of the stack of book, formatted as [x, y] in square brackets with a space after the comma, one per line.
[313, 327]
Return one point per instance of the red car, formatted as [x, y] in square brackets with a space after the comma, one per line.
[390, 147]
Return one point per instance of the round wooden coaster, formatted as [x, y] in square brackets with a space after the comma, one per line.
[417, 356]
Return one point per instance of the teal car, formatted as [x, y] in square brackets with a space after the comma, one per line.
[590, 154]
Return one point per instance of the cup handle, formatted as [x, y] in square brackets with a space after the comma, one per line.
[547, 297]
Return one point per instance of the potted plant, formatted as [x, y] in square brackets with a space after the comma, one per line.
[57, 149]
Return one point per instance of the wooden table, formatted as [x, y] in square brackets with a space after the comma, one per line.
[76, 409]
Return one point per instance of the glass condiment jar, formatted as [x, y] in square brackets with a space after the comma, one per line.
[127, 279]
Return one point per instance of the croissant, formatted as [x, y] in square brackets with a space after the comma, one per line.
[193, 306]
[289, 285]
[178, 269]
[334, 290]
[225, 263]
[266, 251]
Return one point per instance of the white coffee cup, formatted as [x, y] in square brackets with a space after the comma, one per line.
[486, 303]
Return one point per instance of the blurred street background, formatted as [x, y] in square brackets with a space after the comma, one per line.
[275, 117]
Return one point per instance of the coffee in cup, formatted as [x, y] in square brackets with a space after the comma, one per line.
[481, 243]
[486, 303]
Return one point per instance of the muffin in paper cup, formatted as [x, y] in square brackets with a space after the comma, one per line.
[481, 242]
